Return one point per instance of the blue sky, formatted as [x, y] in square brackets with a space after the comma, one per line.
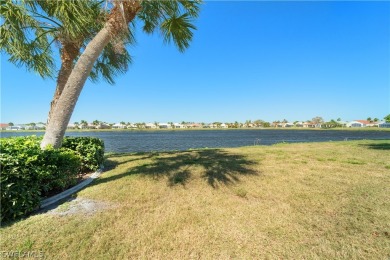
[248, 60]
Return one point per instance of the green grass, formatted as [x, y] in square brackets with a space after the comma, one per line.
[291, 201]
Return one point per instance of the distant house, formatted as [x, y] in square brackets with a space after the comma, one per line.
[91, 126]
[131, 126]
[281, 124]
[150, 126]
[384, 125]
[355, 124]
[3, 126]
[368, 123]
[223, 125]
[360, 123]
[119, 126]
[39, 126]
[30, 127]
[16, 127]
[83, 126]
[102, 126]
[299, 124]
[178, 125]
[193, 125]
[211, 125]
[310, 125]
[164, 125]
[72, 126]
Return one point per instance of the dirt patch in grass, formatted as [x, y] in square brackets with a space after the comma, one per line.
[80, 206]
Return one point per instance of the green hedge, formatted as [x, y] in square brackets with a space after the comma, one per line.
[91, 151]
[29, 173]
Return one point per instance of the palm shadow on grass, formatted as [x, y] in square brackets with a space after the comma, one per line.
[376, 146]
[111, 164]
[217, 167]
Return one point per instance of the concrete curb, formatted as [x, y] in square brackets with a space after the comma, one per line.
[54, 199]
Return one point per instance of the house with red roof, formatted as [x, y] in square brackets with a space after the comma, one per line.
[3, 126]
[361, 123]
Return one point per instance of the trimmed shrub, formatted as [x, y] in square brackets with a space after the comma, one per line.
[90, 150]
[60, 169]
[20, 190]
[28, 173]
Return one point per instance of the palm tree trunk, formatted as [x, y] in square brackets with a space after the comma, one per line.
[69, 53]
[60, 116]
[121, 15]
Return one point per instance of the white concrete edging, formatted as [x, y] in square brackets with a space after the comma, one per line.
[49, 201]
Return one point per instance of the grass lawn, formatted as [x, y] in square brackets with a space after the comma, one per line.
[288, 201]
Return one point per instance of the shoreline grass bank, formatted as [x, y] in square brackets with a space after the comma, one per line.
[305, 200]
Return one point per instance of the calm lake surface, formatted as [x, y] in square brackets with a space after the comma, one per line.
[145, 141]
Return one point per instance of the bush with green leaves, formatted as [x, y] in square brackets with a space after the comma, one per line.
[90, 149]
[29, 173]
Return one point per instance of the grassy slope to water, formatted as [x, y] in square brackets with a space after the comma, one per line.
[313, 200]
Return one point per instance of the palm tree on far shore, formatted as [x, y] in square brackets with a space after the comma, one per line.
[387, 118]
[84, 123]
[96, 123]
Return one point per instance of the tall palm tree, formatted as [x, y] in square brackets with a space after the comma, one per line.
[92, 42]
[172, 18]
[66, 24]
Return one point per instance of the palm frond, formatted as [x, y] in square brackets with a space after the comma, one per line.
[178, 29]
[17, 33]
[173, 18]
[75, 16]
[30, 27]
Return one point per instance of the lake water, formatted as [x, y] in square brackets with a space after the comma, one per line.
[145, 141]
